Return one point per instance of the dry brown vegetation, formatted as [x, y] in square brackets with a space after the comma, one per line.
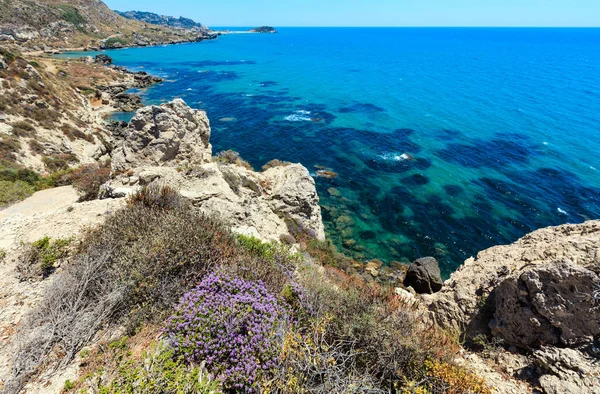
[132, 270]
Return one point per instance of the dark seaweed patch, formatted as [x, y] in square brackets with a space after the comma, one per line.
[447, 134]
[415, 180]
[367, 235]
[494, 154]
[422, 163]
[453, 190]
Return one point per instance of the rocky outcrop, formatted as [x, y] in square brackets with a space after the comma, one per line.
[540, 295]
[468, 300]
[566, 371]
[169, 145]
[42, 25]
[424, 276]
[171, 133]
[264, 29]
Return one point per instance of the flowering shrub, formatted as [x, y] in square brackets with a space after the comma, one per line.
[231, 324]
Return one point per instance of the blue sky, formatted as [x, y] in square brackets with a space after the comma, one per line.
[375, 12]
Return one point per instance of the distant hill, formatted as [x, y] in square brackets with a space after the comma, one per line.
[163, 20]
[42, 24]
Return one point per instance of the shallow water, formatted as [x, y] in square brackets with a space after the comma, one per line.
[445, 141]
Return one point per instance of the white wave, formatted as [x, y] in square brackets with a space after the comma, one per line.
[562, 211]
[593, 168]
[395, 157]
[248, 95]
[545, 143]
[189, 89]
[299, 116]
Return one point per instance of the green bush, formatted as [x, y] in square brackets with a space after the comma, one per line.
[72, 15]
[23, 129]
[156, 371]
[11, 192]
[59, 162]
[39, 258]
[9, 57]
[111, 42]
[2, 255]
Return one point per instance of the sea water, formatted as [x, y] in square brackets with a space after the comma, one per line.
[446, 141]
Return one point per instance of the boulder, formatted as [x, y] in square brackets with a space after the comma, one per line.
[424, 276]
[556, 266]
[103, 59]
[171, 134]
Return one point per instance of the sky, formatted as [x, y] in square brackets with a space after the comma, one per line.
[280, 13]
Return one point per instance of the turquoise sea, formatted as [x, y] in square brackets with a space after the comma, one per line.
[446, 141]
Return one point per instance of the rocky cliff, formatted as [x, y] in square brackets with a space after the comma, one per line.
[47, 24]
[163, 20]
[170, 145]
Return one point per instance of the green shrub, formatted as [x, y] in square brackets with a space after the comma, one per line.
[69, 385]
[156, 371]
[157, 197]
[9, 57]
[72, 15]
[39, 258]
[2, 255]
[59, 162]
[113, 41]
[232, 157]
[257, 247]
[9, 146]
[73, 134]
[23, 129]
[11, 192]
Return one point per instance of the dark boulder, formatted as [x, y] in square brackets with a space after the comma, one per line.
[424, 276]
[104, 59]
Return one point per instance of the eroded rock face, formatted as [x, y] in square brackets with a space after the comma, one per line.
[170, 133]
[467, 301]
[547, 304]
[169, 145]
[565, 371]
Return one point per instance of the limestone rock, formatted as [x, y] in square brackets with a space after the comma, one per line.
[168, 145]
[549, 304]
[157, 135]
[565, 371]
[467, 303]
[424, 276]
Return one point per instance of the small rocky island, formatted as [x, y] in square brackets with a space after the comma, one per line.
[264, 29]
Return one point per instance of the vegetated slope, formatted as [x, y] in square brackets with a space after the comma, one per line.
[38, 24]
[163, 20]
